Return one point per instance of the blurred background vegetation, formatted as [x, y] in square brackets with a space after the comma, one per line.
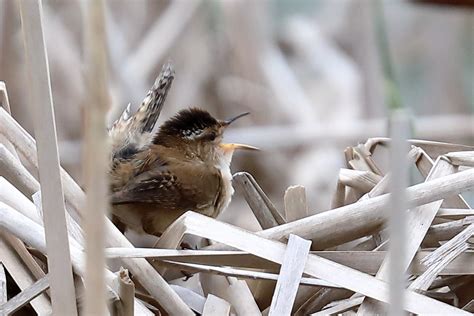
[309, 71]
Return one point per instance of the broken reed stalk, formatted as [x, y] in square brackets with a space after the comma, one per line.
[62, 286]
[295, 203]
[441, 257]
[425, 165]
[361, 180]
[96, 157]
[126, 292]
[264, 210]
[291, 272]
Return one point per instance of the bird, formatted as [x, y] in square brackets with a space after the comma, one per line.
[155, 177]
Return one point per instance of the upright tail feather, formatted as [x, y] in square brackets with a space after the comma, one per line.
[135, 132]
[150, 109]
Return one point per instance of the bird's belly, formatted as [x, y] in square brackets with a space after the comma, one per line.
[128, 215]
[146, 218]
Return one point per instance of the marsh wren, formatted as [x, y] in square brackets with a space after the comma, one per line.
[184, 166]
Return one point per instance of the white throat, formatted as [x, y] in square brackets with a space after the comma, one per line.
[223, 164]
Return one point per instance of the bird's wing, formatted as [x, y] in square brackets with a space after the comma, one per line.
[187, 186]
[135, 133]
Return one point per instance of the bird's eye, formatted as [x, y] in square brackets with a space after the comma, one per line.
[211, 136]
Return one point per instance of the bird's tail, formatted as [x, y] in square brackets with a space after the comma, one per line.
[150, 109]
[136, 131]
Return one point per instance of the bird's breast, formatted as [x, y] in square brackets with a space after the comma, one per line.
[227, 190]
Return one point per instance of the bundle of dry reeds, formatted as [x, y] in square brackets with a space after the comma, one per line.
[251, 273]
[332, 262]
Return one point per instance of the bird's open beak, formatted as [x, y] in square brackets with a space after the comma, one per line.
[232, 147]
[229, 121]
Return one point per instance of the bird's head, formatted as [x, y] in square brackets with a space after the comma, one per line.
[199, 133]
